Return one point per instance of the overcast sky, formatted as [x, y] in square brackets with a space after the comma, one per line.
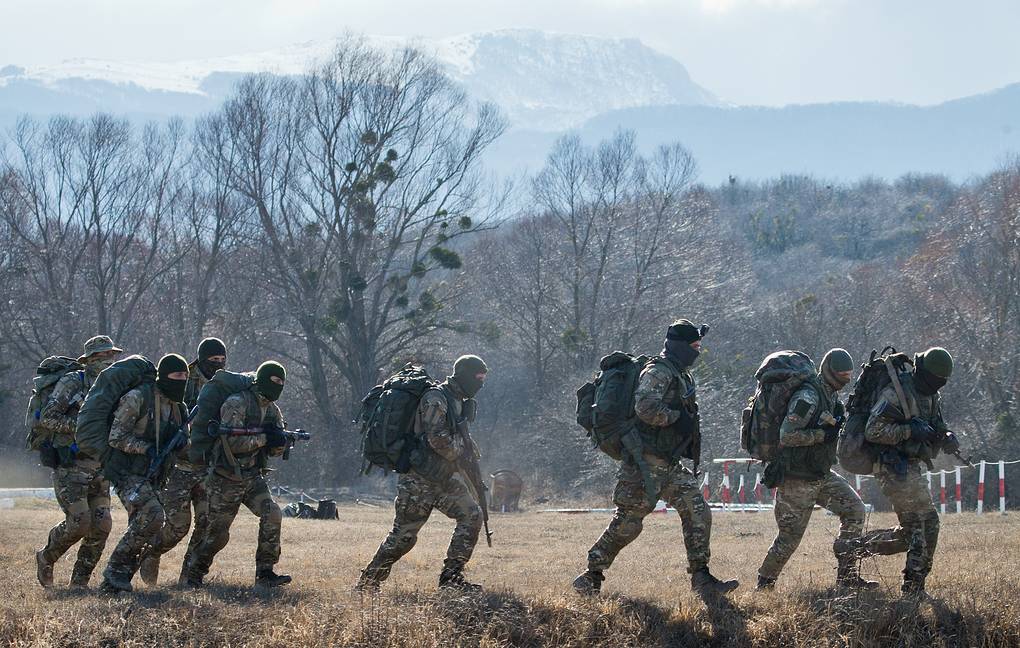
[746, 51]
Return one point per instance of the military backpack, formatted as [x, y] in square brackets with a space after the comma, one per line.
[206, 413]
[605, 406]
[387, 419]
[47, 375]
[92, 433]
[779, 377]
[855, 453]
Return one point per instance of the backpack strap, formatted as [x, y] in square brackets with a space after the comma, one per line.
[908, 407]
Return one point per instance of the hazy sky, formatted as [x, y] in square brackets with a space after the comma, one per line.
[745, 51]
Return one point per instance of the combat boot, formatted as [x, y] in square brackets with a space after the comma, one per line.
[848, 575]
[43, 569]
[148, 570]
[115, 582]
[266, 577]
[80, 577]
[371, 580]
[589, 582]
[703, 582]
[765, 584]
[453, 579]
[913, 586]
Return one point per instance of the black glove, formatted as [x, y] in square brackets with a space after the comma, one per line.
[831, 434]
[921, 431]
[275, 438]
[950, 444]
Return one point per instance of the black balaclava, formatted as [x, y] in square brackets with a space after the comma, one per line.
[264, 383]
[465, 374]
[932, 370]
[173, 389]
[677, 347]
[207, 348]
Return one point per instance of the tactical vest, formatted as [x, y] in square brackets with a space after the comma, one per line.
[242, 465]
[672, 442]
[424, 460]
[121, 464]
[929, 409]
[814, 461]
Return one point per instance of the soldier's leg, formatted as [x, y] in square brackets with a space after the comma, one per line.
[71, 487]
[200, 503]
[259, 501]
[631, 508]
[413, 506]
[92, 545]
[176, 499]
[795, 500]
[919, 520]
[456, 503]
[683, 493]
[838, 496]
[145, 517]
[225, 497]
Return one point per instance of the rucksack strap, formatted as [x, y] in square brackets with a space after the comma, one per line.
[908, 407]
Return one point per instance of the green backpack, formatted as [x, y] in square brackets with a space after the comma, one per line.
[47, 375]
[220, 387]
[779, 377]
[92, 433]
[605, 406]
[387, 419]
[855, 453]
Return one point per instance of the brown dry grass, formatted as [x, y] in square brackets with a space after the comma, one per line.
[527, 574]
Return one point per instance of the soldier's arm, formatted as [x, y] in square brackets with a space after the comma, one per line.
[54, 416]
[125, 418]
[885, 424]
[273, 413]
[191, 390]
[234, 414]
[649, 397]
[436, 428]
[794, 430]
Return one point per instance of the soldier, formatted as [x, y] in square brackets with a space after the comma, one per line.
[146, 419]
[803, 476]
[185, 486]
[83, 494]
[907, 425]
[441, 426]
[236, 477]
[667, 412]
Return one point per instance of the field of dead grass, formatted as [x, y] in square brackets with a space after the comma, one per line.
[528, 602]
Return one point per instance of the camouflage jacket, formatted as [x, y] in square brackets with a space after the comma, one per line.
[245, 409]
[888, 425]
[443, 432]
[196, 381]
[143, 422]
[803, 450]
[60, 413]
[665, 402]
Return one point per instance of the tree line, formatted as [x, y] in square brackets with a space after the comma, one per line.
[343, 223]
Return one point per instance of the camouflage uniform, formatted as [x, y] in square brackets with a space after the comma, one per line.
[661, 395]
[900, 474]
[143, 421]
[83, 494]
[807, 480]
[185, 488]
[236, 478]
[429, 485]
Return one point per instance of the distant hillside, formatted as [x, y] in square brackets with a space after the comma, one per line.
[960, 138]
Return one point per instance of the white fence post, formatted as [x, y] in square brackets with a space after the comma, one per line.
[981, 488]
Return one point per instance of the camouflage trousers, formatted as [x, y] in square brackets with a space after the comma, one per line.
[795, 501]
[225, 496]
[145, 519]
[416, 498]
[84, 497]
[918, 531]
[679, 488]
[184, 489]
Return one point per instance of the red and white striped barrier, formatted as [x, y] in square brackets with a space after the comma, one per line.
[981, 488]
[942, 491]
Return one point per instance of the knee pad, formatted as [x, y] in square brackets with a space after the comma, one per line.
[155, 522]
[102, 523]
[79, 524]
[630, 525]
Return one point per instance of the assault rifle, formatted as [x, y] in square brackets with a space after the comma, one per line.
[215, 429]
[468, 467]
[156, 464]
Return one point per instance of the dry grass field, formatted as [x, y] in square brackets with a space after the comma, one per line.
[527, 573]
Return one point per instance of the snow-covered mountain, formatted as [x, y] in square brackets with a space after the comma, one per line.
[543, 81]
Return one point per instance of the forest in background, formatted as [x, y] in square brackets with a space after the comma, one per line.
[343, 223]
